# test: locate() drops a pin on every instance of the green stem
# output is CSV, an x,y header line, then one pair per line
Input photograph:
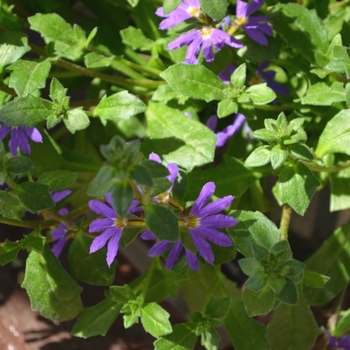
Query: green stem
x,y
326,168
285,220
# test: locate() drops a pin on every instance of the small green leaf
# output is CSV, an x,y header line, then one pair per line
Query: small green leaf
x,y
183,337
122,294
76,119
162,222
122,197
170,5
249,265
10,206
80,262
214,8
9,251
121,105
97,319
320,94
34,241
335,137
289,293
155,320
296,186
293,327
96,60
259,157
19,165
27,110
238,77
141,175
135,38
251,228
217,307
57,91
240,328
58,180
195,81
258,303
260,94
28,76
35,196
51,290
227,107
343,325
156,169
340,184
301,151
279,155
13,45
314,279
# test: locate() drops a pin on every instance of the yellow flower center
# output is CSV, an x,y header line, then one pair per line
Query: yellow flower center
x,y
190,221
206,32
237,23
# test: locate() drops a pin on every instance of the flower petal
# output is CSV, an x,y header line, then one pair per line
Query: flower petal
x,y
215,236
58,196
254,6
4,130
154,156
174,255
218,221
33,134
257,36
101,208
101,240
101,224
58,247
241,9
148,236
216,206
159,248
206,192
112,247
203,246
192,260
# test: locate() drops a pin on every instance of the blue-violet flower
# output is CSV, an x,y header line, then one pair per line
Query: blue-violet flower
x,y
207,37
341,344
202,222
20,136
186,10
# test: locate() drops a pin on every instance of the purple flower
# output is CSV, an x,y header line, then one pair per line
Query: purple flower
x,y
230,130
186,10
58,235
202,222
19,137
225,75
207,37
112,226
173,168
341,344
255,27
268,76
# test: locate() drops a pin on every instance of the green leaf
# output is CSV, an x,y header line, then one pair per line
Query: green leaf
x,y
210,339
80,262
68,41
217,307
258,303
141,175
19,165
13,45
156,169
259,157
27,110
96,60
195,81
214,8
260,94
347,94
155,320
289,293
331,260
301,151
122,197
279,155
9,251
10,206
343,325
249,265
34,241
301,29
236,181
314,279
170,5
227,107
296,186
335,137
51,290
320,94
76,119
251,228
244,332
57,91
162,222
122,294
135,38
121,105
238,77
293,327
28,76
97,319
340,184
180,140
35,196
183,337
58,180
